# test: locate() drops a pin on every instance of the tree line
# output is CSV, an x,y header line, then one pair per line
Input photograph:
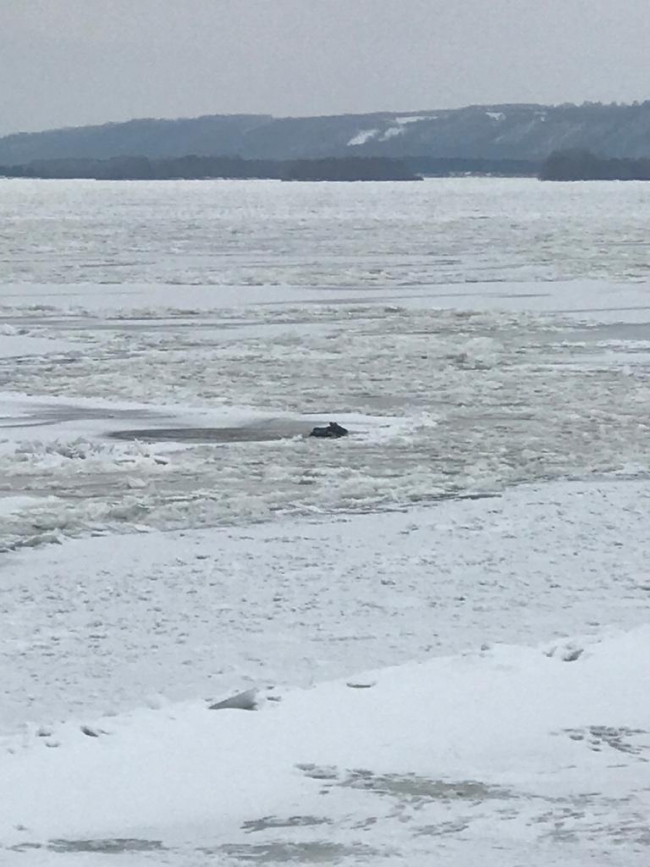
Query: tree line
x,y
202,168
233,167
583,165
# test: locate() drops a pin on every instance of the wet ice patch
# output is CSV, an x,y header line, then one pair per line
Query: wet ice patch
x,y
268,823
281,852
631,741
414,788
109,846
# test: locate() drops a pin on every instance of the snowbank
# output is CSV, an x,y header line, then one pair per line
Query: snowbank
x,y
484,754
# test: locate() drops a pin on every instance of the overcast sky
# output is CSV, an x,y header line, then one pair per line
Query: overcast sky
x,y
75,62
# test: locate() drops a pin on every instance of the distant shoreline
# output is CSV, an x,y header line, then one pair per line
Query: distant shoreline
x,y
510,140
211,168
583,165
338,169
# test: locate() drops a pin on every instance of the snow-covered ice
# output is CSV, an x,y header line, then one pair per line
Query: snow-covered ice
x,y
171,536
505,755
94,625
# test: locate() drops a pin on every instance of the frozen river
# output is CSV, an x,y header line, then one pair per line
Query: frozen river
x,y
471,333
165,348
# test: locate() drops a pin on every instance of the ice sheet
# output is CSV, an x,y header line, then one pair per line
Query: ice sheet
x,y
503,756
170,533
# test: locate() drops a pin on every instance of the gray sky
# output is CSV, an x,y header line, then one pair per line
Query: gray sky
x,y
75,62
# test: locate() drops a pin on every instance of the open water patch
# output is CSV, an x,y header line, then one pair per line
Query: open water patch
x,y
241,434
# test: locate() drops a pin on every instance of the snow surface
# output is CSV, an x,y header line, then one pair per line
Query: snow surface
x,y
363,136
366,135
269,235
415,118
499,756
170,536
392,132
96,625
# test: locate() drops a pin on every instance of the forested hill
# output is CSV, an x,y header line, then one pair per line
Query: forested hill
x,y
498,132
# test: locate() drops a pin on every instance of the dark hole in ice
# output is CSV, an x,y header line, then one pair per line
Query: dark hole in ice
x,y
252,433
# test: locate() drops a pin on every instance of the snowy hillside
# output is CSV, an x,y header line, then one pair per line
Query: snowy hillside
x,y
499,132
